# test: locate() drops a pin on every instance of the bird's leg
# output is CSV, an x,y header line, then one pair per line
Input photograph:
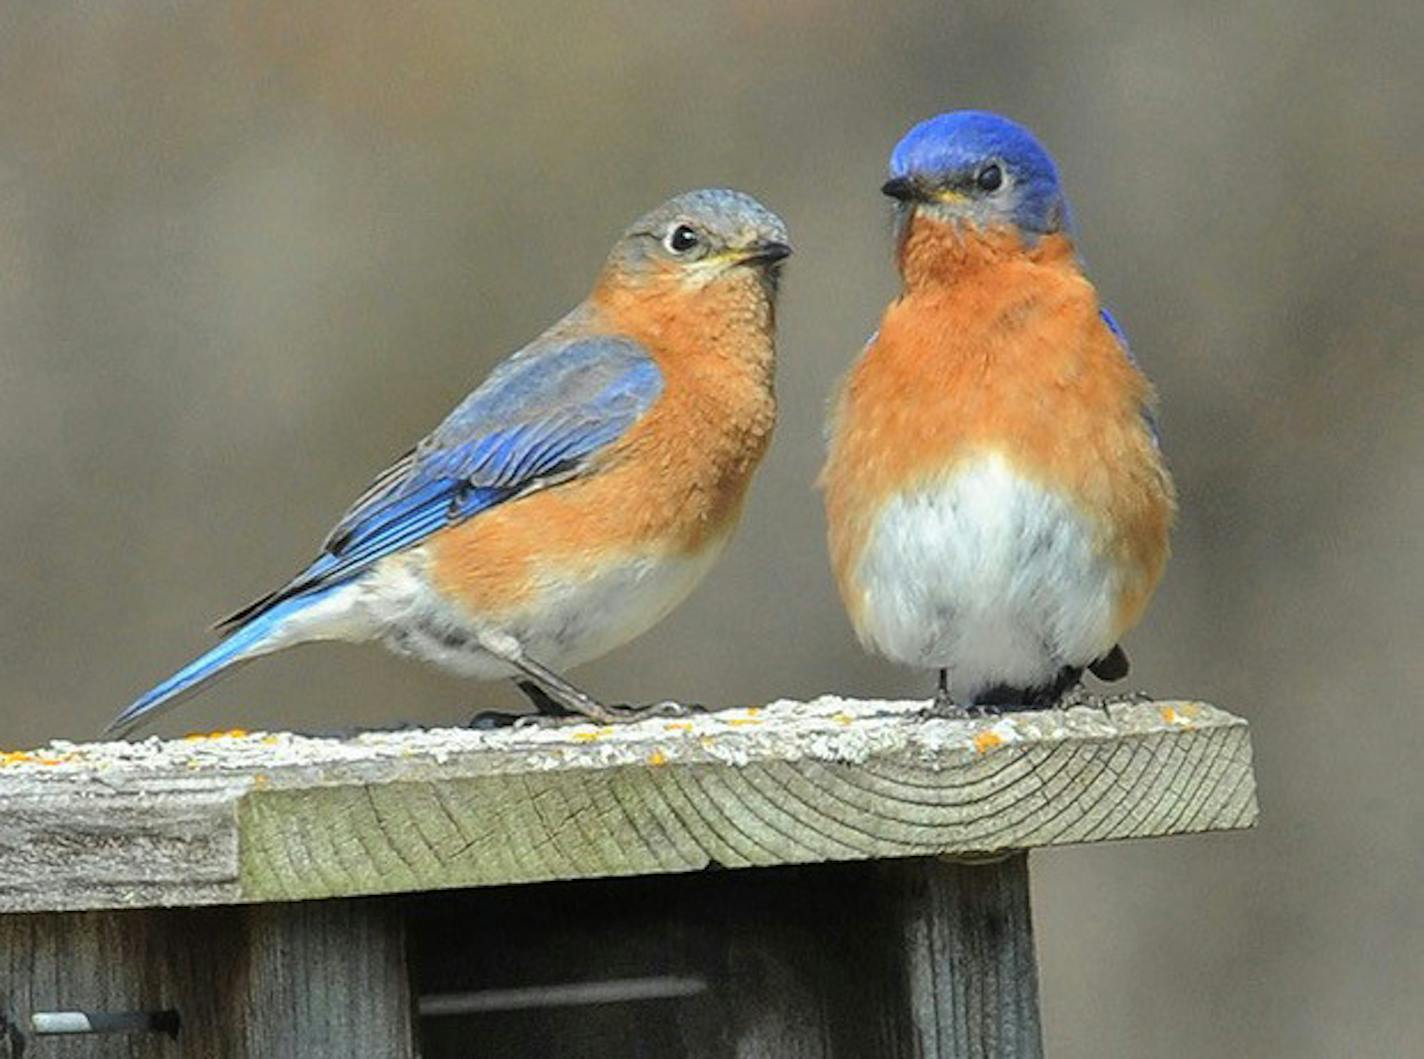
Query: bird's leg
x,y
944,706
548,709
543,705
555,688
666,708
554,698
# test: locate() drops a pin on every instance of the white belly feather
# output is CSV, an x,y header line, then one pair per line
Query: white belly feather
x,y
987,575
566,621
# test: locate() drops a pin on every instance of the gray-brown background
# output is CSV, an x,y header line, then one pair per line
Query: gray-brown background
x,y
248,252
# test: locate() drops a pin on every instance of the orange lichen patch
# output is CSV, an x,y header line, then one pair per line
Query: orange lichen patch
x,y
591,737
261,780
843,718
230,733
741,722
1185,716
987,740
675,482
26,757
1023,367
678,726
657,757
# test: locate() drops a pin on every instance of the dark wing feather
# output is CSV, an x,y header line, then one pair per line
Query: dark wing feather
x,y
1149,415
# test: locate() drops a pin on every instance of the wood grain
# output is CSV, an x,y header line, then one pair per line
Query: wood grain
x,y
277,817
919,958
320,980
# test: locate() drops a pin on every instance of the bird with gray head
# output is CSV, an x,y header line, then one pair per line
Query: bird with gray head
x,y
576,496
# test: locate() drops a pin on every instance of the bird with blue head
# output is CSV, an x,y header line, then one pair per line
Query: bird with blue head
x,y
997,504
978,168
576,496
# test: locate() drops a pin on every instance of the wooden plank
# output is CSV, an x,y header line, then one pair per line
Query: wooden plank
x,y
281,816
321,980
86,961
325,980
970,962
909,958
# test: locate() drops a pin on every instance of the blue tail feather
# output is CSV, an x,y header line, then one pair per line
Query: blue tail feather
x,y
241,645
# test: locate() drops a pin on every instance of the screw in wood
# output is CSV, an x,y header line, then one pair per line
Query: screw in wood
x,y
65,1023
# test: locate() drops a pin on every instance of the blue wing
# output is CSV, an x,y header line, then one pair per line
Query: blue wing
x,y
535,421
1148,415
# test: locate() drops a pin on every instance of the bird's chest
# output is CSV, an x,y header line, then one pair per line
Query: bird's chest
x,y
683,475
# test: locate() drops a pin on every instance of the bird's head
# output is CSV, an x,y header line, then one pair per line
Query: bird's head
x,y
699,239
976,168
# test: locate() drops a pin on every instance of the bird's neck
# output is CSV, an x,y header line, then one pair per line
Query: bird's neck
x,y
729,322
934,252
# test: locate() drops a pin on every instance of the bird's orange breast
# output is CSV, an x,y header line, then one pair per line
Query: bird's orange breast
x,y
673,485
998,348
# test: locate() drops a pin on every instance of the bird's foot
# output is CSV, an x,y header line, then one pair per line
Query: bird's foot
x,y
553,710
554,694
666,708
1080,695
493,720
945,707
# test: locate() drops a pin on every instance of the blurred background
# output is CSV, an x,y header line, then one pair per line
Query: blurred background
x,y
250,251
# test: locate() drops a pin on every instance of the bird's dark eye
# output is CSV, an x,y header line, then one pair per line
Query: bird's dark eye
x,y
681,239
990,178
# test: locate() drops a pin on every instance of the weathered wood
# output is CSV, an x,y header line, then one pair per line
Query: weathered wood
x,y
912,959
277,817
320,980
973,975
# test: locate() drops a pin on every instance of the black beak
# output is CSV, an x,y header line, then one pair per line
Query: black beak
x,y
902,189
768,253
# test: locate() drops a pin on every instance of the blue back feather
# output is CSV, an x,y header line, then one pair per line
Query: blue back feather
x,y
540,415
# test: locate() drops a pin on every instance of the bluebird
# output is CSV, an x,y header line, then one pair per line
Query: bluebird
x,y
576,496
997,504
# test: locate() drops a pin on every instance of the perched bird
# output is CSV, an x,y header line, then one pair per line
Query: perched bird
x,y
997,504
577,495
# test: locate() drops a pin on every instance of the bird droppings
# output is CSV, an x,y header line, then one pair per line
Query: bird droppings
x,y
828,729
